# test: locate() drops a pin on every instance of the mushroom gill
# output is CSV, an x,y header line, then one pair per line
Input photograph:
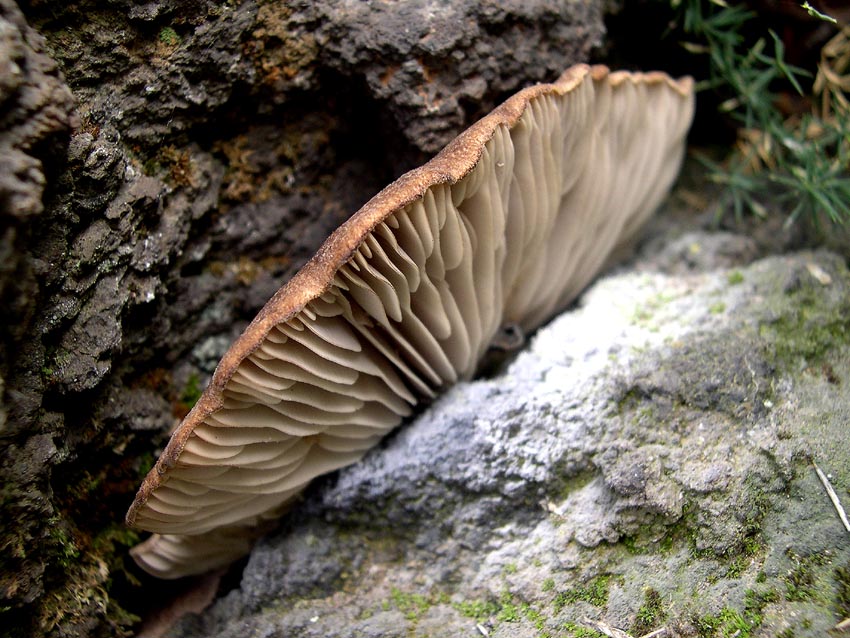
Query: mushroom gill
x,y
504,227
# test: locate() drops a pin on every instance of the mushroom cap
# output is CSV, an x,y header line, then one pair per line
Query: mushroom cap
x,y
505,226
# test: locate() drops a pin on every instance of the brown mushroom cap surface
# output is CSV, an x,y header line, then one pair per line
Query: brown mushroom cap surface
x,y
504,227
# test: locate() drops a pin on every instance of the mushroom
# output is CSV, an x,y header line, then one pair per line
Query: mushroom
x,y
503,228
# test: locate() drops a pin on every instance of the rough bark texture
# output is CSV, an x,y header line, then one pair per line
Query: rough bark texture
x,y
164,166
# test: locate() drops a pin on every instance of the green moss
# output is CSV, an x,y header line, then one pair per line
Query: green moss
x,y
728,623
753,545
114,538
595,593
548,584
666,543
507,609
810,331
733,623
737,566
645,313
842,596
797,337
151,167
651,613
168,36
510,611
755,601
577,631
411,605
644,542
748,549
801,580
740,624
569,485
510,568
694,550
536,618
735,277
631,545
191,392
641,315
146,460
478,610
717,308
86,583
67,551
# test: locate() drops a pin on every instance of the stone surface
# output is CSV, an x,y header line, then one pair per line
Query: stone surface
x,y
35,120
646,462
164,167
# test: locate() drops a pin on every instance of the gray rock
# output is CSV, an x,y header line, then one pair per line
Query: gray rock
x,y
645,462
453,55
35,119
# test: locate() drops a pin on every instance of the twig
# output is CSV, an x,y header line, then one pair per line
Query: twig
x,y
613,632
605,628
833,497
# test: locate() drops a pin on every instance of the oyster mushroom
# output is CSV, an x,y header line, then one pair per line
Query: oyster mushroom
x,y
504,227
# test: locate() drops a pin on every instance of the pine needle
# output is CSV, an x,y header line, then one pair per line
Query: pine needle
x,y
833,497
